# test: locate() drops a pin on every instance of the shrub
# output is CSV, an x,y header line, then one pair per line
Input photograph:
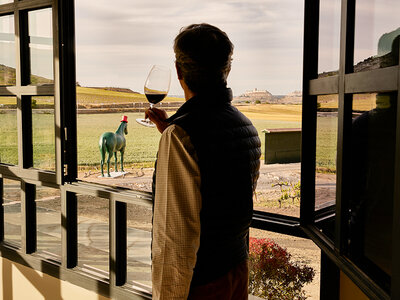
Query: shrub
x,y
272,275
292,191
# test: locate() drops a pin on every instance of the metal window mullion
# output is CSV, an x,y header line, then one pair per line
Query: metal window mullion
x,y
395,280
69,229
1,210
118,242
26,132
59,134
65,88
28,213
344,122
309,112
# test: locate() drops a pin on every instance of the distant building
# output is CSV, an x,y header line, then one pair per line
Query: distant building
x,y
258,95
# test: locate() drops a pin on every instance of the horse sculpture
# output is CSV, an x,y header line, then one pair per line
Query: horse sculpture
x,y
111,142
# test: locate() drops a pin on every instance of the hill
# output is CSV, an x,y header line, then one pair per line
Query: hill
x,y
7,77
87,96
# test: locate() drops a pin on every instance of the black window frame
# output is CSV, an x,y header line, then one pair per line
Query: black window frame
x,y
64,178
345,84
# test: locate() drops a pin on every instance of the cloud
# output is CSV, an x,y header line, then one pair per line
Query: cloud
x,y
124,38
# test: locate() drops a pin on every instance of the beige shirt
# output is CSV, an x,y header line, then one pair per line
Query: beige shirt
x,y
176,220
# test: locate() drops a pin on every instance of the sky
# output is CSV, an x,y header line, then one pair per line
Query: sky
x,y
118,41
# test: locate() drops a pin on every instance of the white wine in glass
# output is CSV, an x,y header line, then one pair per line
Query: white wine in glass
x,y
156,88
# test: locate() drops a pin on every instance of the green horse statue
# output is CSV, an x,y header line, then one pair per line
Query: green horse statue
x,y
111,143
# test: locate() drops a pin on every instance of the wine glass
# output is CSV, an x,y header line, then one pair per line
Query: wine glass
x,y
156,87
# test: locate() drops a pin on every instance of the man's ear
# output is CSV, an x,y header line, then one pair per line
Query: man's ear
x,y
178,71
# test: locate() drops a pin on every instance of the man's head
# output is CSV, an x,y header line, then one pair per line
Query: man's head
x,y
203,57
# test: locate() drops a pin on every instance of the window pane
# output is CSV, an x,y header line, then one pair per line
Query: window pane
x,y
266,80
329,38
12,211
6,1
41,46
325,172
139,221
43,133
93,235
7,50
48,208
8,131
372,182
140,152
377,32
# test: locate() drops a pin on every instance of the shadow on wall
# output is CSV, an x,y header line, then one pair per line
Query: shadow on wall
x,y
21,282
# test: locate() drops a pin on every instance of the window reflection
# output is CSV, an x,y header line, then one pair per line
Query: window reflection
x,y
325,163
12,211
41,46
8,131
371,203
43,133
326,150
93,233
7,50
377,34
329,38
48,209
139,224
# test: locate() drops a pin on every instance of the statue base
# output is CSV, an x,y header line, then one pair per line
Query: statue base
x,y
114,174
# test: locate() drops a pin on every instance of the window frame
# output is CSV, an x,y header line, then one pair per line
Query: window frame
x,y
345,84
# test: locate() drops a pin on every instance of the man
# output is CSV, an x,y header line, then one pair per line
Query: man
x,y
207,167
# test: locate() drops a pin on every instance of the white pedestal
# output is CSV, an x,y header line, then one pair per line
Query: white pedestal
x,y
113,174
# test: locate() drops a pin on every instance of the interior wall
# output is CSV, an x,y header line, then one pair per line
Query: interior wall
x,y
348,290
18,282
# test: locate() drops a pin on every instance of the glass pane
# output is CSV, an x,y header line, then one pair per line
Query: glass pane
x,y
372,182
282,253
140,152
329,38
7,50
12,211
326,150
139,222
377,34
266,80
8,131
93,235
6,1
278,187
48,208
43,134
41,46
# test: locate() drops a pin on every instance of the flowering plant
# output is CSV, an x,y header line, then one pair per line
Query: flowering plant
x,y
272,275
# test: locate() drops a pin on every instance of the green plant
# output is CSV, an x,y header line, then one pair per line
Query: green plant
x,y
272,274
291,191
294,192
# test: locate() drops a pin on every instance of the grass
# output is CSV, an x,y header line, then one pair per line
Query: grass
x,y
326,143
142,142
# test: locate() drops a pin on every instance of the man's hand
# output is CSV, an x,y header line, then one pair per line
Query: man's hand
x,y
158,117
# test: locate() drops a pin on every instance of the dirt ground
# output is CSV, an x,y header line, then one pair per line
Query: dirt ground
x,y
303,251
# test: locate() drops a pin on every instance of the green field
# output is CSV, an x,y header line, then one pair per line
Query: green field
x,y
142,142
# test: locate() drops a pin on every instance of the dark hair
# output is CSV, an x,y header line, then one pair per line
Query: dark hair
x,y
203,53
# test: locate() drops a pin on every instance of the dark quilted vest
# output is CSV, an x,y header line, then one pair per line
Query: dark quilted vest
x,y
228,151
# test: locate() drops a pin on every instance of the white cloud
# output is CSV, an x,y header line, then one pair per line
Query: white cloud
x,y
124,38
